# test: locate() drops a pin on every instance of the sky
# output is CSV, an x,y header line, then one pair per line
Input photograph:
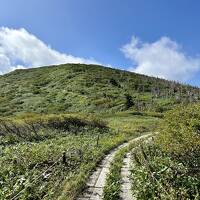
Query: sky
x,y
153,37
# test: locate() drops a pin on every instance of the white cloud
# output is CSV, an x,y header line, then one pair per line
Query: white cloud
x,y
163,58
20,49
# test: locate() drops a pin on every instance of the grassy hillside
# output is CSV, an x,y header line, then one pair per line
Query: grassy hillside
x,y
52,135
87,88
32,151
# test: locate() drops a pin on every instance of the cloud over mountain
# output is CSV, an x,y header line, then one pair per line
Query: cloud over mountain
x,y
163,58
21,49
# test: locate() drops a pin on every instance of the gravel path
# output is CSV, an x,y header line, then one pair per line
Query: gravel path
x,y
126,183
97,180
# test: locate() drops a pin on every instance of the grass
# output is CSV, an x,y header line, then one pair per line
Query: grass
x,y
169,167
72,188
26,160
156,175
112,187
36,128
73,88
131,122
133,130
22,163
113,184
131,104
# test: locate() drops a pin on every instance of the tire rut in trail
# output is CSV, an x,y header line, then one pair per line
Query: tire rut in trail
x,y
97,180
125,176
126,193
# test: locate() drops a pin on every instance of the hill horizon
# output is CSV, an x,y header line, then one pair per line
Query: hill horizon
x,y
88,88
103,66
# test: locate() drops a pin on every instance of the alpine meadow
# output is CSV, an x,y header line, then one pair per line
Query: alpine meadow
x,y
99,100
59,122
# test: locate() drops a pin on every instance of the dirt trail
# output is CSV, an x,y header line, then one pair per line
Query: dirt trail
x,y
97,180
126,183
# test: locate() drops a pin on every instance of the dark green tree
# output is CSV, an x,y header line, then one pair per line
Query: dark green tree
x,y
129,101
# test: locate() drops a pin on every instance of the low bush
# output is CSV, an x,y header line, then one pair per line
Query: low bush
x,y
180,132
156,175
169,168
33,127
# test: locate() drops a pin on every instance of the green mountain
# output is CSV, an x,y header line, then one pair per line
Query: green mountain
x,y
52,156
87,88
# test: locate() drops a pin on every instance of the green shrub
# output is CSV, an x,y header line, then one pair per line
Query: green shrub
x,y
169,168
129,101
180,131
32,127
156,175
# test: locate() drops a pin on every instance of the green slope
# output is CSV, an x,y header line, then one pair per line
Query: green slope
x,y
87,88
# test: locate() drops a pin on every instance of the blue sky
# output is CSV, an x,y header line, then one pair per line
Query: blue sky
x,y
154,37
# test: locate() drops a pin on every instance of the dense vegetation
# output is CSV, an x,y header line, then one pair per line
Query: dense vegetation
x,y
87,88
52,134
34,128
38,167
169,168
32,150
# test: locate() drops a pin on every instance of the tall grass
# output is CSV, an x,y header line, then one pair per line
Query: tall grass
x,y
169,168
37,128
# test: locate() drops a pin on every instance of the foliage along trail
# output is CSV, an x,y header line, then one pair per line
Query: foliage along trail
x,y
97,180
